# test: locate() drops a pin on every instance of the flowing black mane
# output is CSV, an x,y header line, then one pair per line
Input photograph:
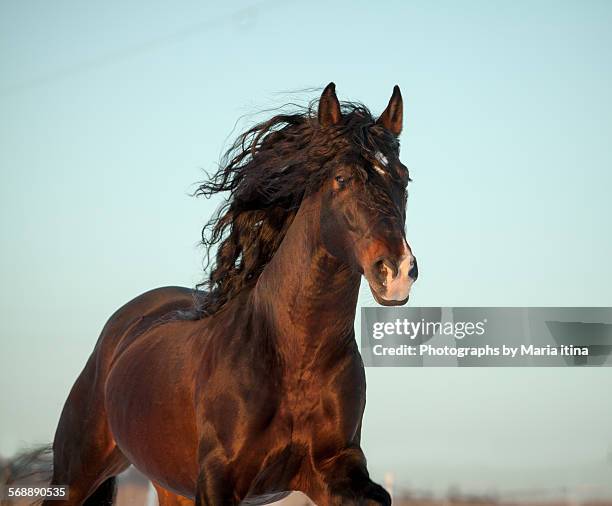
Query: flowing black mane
x,y
267,171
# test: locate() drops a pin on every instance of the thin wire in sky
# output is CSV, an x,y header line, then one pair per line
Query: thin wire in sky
x,y
242,16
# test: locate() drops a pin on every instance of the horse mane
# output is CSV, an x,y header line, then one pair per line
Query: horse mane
x,y
266,173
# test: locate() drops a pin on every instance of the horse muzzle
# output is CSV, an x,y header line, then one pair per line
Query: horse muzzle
x,y
391,278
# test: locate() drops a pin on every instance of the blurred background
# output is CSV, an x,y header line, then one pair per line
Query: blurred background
x,y
110,111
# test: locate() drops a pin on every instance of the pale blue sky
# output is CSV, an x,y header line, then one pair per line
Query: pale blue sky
x,y
109,111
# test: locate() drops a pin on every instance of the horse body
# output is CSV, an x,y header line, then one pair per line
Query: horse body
x,y
142,390
267,392
195,378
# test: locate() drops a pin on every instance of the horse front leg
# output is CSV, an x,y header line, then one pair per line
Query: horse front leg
x,y
215,487
348,480
167,498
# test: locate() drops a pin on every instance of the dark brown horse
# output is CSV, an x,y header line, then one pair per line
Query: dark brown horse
x,y
254,384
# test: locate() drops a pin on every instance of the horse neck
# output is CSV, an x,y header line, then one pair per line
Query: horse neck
x,y
309,296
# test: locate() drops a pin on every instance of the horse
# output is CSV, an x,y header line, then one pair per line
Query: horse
x,y
252,382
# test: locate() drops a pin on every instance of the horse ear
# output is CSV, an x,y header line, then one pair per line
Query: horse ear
x,y
329,107
392,117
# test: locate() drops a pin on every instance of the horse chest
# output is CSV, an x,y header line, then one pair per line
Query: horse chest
x,y
320,407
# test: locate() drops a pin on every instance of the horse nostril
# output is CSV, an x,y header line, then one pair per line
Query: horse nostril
x,y
386,270
414,269
392,266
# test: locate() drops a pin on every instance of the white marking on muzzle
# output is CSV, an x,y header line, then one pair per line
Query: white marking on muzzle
x,y
398,288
